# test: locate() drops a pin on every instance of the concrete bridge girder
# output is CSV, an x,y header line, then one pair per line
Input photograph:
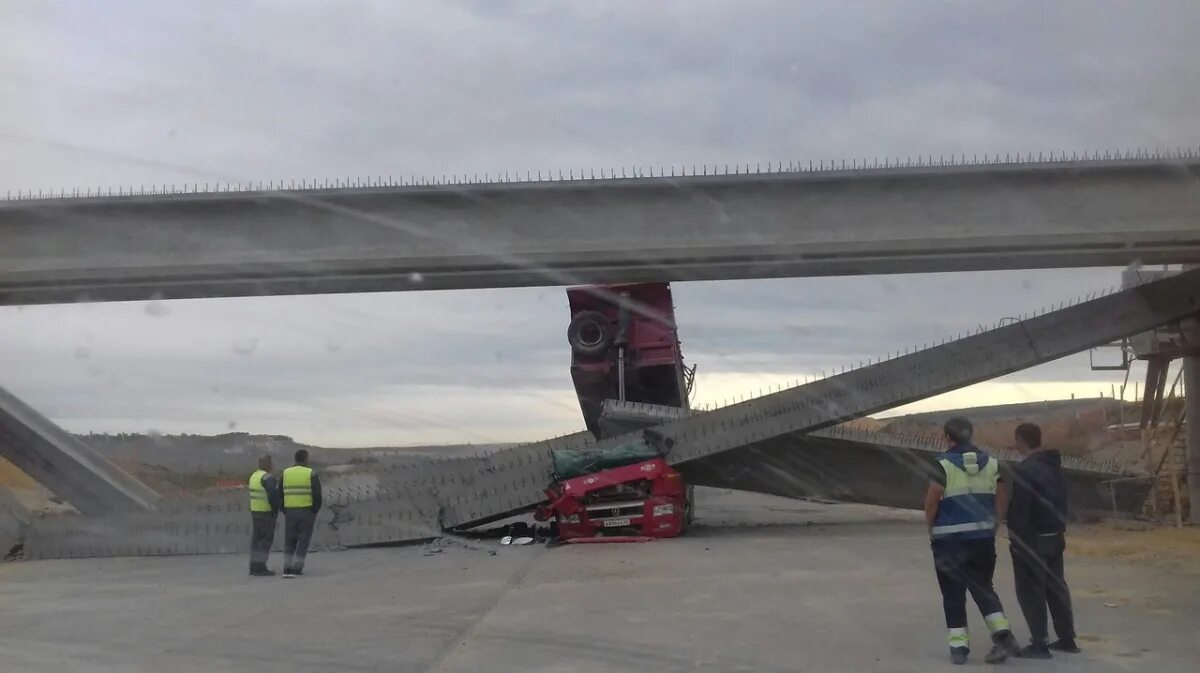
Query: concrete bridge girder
x,y
1090,213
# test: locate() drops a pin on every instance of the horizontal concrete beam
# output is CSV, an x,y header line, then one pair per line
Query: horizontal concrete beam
x,y
798,223
65,465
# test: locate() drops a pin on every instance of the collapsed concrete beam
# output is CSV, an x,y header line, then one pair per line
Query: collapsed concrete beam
x,y
64,464
875,468
14,521
817,466
517,481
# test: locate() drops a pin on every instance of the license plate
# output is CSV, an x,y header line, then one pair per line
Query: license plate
x,y
614,523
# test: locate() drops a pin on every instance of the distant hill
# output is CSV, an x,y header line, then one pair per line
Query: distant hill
x,y
1027,410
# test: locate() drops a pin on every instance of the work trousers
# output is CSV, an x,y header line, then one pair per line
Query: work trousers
x,y
297,532
1038,572
262,535
966,566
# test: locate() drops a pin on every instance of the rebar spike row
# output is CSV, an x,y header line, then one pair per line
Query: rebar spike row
x,y
571,175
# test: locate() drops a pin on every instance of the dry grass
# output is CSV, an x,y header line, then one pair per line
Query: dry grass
x,y
1175,548
14,478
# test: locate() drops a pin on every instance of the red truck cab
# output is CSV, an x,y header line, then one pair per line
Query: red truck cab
x,y
645,500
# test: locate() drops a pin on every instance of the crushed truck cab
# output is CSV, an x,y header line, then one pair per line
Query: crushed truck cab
x,y
647,499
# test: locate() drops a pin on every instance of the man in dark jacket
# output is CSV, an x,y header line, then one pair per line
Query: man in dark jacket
x,y
1037,515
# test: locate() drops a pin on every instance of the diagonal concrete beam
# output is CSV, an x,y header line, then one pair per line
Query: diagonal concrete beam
x,y
931,371
64,464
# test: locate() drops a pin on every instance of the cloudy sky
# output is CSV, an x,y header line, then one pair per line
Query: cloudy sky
x,y
166,93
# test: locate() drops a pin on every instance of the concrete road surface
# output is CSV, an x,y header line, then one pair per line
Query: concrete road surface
x,y
764,584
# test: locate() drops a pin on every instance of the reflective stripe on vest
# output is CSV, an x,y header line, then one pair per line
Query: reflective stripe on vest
x,y
297,487
259,502
968,506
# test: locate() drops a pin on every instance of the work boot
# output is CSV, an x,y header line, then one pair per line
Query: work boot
x,y
1005,645
1035,651
958,655
1065,645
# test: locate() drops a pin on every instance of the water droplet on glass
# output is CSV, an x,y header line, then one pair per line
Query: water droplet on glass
x,y
245,347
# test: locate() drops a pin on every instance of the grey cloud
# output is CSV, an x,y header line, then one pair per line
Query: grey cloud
x,y
164,93
321,90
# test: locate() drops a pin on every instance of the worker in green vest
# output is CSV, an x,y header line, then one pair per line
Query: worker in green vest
x,y
264,508
301,502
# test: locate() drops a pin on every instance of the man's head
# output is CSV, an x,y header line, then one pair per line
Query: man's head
x,y
302,456
958,430
264,462
1027,438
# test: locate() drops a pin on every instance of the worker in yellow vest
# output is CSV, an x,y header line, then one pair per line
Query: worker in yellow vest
x,y
264,508
301,502
960,509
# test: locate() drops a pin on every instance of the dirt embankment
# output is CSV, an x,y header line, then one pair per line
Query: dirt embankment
x,y
15,479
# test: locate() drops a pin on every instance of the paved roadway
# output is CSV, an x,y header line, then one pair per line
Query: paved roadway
x,y
765,584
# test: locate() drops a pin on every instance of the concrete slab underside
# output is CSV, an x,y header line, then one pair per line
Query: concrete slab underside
x,y
765,584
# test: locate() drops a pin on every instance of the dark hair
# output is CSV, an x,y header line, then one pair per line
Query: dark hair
x,y
959,430
1029,433
301,455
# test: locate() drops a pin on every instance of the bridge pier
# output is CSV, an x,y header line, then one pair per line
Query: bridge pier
x,y
1191,387
65,465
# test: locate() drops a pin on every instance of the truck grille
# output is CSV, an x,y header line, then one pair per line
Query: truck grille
x,y
629,509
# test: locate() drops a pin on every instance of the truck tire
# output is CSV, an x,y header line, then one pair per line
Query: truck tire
x,y
590,333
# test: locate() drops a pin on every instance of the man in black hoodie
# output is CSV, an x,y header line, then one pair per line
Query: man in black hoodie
x,y
1037,515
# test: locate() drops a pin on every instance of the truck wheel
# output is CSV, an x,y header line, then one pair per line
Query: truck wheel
x,y
590,333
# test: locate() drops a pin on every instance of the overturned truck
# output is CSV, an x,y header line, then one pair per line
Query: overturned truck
x,y
624,349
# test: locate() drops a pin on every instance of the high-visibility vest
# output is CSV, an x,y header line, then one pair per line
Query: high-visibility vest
x,y
259,501
297,487
968,507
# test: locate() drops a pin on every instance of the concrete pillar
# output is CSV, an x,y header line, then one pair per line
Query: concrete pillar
x,y
1191,382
